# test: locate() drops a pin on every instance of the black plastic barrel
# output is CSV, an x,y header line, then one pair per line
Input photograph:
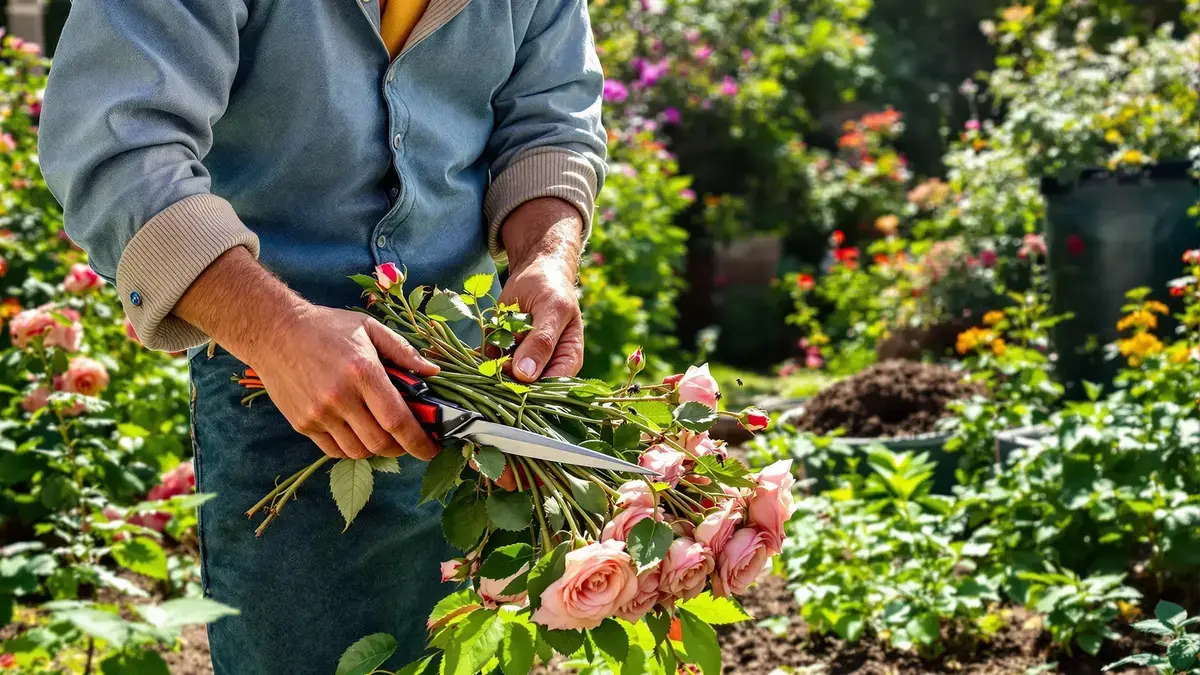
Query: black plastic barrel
x,y
1107,234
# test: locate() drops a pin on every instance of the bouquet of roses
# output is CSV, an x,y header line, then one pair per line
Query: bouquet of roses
x,y
563,558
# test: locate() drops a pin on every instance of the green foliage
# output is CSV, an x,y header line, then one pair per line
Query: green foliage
x,y
1169,625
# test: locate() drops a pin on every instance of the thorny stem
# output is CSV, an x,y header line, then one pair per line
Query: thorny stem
x,y
291,490
271,495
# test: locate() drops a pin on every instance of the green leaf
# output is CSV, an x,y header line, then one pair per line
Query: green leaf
x,y
447,306
384,464
491,462
510,511
182,612
588,495
501,339
1090,642
695,416
1154,627
366,655
655,411
730,472
627,437
1169,613
849,627
418,667
142,662
143,556
517,651
923,628
554,514
474,644
108,627
1092,390
368,283
1182,652
565,642
700,641
506,561
715,611
659,624
1136,660
648,542
517,388
465,518
545,572
611,639
453,603
417,296
479,285
441,474
493,367
132,430
351,482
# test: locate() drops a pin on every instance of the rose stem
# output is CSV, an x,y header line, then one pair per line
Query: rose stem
x,y
271,495
540,507
283,500
557,496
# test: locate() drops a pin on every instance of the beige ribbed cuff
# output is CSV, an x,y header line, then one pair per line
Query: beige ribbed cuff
x,y
540,172
165,257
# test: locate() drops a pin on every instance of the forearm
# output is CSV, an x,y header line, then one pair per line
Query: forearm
x,y
548,231
240,304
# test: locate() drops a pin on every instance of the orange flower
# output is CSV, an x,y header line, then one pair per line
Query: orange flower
x,y
888,224
9,308
993,317
1017,13
881,259
852,140
712,201
881,121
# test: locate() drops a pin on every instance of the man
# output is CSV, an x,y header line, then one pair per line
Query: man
x,y
186,137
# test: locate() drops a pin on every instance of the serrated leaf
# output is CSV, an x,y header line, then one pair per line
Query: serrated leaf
x,y
140,662
441,474
547,570
659,624
506,561
367,283
517,651
479,285
1135,660
351,483
1169,613
418,667
554,514
730,472
565,642
517,387
655,411
587,494
364,656
611,639
384,464
451,604
416,297
447,306
510,511
626,437
700,641
493,367
491,462
501,339
108,627
142,555
648,542
695,417
1154,627
715,611
1181,653
181,612
465,518
474,644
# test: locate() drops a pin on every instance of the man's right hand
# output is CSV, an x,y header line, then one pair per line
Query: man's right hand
x,y
322,367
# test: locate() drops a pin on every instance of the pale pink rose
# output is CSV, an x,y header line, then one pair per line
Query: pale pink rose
x,y
81,279
701,444
699,386
666,462
771,503
596,580
178,481
619,527
683,528
85,376
450,570
740,563
28,325
685,569
36,400
388,275
717,527
646,598
155,520
66,337
634,493
492,591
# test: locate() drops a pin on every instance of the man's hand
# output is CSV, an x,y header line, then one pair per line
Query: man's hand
x,y
321,366
542,238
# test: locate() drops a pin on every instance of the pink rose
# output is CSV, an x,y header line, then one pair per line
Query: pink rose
x,y
741,562
666,462
647,596
683,528
771,503
85,376
702,444
685,569
699,386
634,493
155,520
450,570
388,275
28,325
717,527
492,590
68,337
619,527
81,279
178,481
636,361
36,400
596,580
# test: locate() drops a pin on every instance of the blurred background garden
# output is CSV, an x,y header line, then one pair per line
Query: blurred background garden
x,y
951,245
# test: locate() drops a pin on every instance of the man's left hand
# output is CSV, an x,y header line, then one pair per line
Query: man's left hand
x,y
543,238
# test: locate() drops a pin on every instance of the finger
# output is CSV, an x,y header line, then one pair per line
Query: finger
x,y
371,434
392,415
348,441
538,346
396,349
568,355
327,445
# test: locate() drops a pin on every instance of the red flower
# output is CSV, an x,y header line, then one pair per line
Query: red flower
x,y
838,237
1178,291
1192,257
806,282
881,259
1075,245
8,661
847,256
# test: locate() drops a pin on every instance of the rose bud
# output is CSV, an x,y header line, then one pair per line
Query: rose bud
x,y
454,570
81,279
636,361
388,275
673,380
753,419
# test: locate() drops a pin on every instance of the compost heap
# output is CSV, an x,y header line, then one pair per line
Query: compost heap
x,y
892,398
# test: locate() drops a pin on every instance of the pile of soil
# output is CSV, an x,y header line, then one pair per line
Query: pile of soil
x,y
892,398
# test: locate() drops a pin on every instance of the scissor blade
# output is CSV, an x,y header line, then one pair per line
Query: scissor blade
x,y
528,444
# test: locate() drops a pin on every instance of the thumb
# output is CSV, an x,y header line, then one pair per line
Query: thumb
x,y
392,347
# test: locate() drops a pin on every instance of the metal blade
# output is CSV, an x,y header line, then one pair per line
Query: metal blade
x,y
528,444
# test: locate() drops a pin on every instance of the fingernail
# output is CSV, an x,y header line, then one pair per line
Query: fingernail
x,y
527,366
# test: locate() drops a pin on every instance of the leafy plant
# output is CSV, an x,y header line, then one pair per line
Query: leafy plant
x,y
1169,625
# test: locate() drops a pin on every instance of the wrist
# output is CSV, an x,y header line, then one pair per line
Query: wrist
x,y
544,231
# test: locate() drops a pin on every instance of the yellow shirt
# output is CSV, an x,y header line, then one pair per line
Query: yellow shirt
x,y
397,19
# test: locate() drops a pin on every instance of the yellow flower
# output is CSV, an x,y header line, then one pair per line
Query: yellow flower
x,y
1133,157
1138,319
1156,306
993,317
1138,347
1017,13
1178,354
1128,611
973,338
1113,136
998,347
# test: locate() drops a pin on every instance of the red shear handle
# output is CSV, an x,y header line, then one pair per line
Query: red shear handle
x,y
416,394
